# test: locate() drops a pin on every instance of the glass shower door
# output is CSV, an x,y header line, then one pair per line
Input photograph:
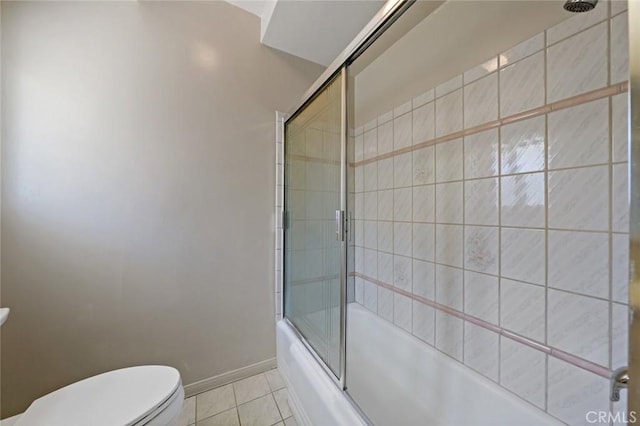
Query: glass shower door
x,y
314,234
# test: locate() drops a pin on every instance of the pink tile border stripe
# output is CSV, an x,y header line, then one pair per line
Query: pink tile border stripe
x,y
545,109
556,353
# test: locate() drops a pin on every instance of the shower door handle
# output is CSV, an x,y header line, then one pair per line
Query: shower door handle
x,y
339,225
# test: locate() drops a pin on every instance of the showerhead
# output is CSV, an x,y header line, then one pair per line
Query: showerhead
x,y
578,6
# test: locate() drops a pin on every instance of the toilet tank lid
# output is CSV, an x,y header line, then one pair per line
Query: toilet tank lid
x,y
119,397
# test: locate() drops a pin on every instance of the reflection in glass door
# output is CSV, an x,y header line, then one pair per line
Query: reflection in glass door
x,y
314,247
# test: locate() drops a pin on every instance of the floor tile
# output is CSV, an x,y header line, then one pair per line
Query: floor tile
x,y
282,400
251,388
214,401
275,379
259,412
226,418
188,413
291,421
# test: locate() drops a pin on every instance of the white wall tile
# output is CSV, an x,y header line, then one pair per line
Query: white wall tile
x,y
402,238
578,325
424,279
522,50
402,315
576,65
402,204
384,118
358,179
385,267
481,101
424,166
620,126
481,154
620,209
424,241
579,199
385,137
579,136
359,148
522,85
481,202
522,253
402,170
371,176
424,123
620,48
522,308
523,146
523,371
371,296
370,234
402,132
523,201
449,113
385,303
402,269
385,173
385,205
370,143
618,6
370,263
449,86
424,320
481,249
575,24
481,70
572,392
402,109
449,161
449,202
424,203
449,245
579,262
449,289
620,319
385,236
422,99
449,334
481,350
359,290
620,273
481,296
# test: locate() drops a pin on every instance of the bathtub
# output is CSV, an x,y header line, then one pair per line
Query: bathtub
x,y
418,384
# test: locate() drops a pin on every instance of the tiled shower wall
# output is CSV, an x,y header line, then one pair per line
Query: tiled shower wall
x,y
492,216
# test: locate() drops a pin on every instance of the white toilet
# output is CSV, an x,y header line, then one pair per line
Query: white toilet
x,y
150,395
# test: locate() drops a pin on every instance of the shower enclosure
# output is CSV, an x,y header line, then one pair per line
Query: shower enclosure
x,y
457,229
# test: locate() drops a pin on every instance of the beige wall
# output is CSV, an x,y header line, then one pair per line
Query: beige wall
x,y
137,189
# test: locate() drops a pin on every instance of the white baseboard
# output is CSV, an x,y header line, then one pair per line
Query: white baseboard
x,y
229,377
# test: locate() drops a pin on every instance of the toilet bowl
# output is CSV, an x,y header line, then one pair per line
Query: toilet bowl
x,y
149,395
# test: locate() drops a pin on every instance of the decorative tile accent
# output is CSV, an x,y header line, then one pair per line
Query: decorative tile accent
x,y
449,161
449,113
523,146
620,48
481,350
424,166
522,308
579,136
523,371
522,50
579,325
572,392
481,101
575,65
449,202
579,199
579,262
481,154
424,123
481,249
481,202
449,332
424,279
481,296
522,85
522,198
449,286
523,255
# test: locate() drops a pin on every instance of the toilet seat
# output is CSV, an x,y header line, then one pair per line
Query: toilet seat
x,y
146,395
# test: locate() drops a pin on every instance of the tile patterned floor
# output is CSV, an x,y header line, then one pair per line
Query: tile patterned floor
x,y
260,400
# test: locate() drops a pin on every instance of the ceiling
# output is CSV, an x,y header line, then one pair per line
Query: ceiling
x,y
316,30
